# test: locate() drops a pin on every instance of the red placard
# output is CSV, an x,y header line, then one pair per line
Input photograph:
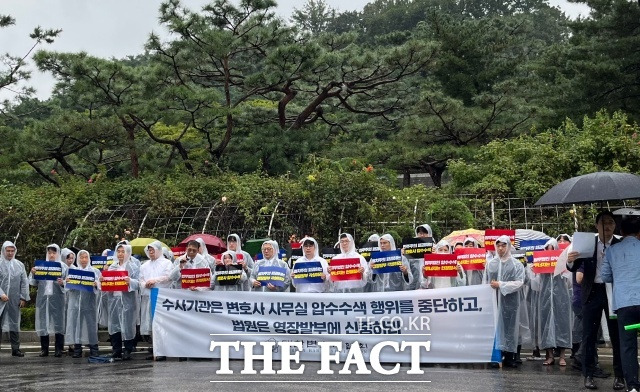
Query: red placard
x,y
345,269
491,235
114,281
195,277
179,251
440,265
544,261
471,259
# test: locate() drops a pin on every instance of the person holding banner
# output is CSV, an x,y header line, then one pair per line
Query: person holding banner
x,y
123,305
205,254
192,259
595,301
229,275
434,282
554,319
270,269
82,310
348,251
475,276
621,266
244,258
506,274
14,294
50,303
153,273
392,281
311,259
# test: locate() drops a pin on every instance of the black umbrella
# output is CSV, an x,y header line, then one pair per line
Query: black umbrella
x,y
594,187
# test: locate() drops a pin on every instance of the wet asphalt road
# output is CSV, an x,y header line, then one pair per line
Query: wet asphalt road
x,y
32,373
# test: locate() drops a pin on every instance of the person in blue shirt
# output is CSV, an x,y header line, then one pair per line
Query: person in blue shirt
x,y
621,267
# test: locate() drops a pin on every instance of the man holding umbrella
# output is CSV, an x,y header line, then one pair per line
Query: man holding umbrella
x,y
595,301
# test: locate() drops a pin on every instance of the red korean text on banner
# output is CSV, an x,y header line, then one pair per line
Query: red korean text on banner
x,y
544,261
114,281
195,277
345,269
471,259
179,251
440,265
491,235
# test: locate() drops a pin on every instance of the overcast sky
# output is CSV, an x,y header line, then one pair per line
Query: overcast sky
x,y
117,28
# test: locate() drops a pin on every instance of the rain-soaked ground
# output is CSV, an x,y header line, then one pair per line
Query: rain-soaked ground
x,y
33,373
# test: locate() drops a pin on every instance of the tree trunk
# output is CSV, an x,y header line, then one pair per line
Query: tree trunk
x,y
131,142
406,179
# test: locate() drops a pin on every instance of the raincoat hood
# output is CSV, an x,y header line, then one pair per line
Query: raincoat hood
x,y
504,239
79,266
352,244
389,238
157,245
127,253
5,245
203,248
231,253
439,247
276,250
427,228
64,253
237,239
553,243
58,254
316,251
373,238
475,242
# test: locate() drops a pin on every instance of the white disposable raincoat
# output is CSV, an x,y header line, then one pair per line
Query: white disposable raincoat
x,y
235,287
352,286
272,262
184,262
246,258
313,287
394,281
123,305
473,277
156,271
434,282
82,310
50,301
510,273
13,284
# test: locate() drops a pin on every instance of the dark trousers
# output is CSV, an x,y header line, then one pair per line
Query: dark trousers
x,y
116,344
59,342
629,344
14,337
591,316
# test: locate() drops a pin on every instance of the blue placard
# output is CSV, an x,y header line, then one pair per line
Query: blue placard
x,y
47,270
99,262
530,246
78,279
386,262
274,275
307,272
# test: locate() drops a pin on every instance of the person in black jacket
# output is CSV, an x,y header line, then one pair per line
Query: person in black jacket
x,y
595,301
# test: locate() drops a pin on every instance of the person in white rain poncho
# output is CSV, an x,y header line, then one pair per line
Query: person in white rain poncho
x,y
205,254
82,310
393,281
506,275
417,263
227,263
270,258
14,294
50,305
554,317
474,277
246,261
190,260
348,251
434,282
154,273
373,238
310,253
123,305
69,258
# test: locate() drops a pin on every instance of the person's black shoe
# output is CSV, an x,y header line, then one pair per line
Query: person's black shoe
x,y
17,353
58,354
589,383
149,358
182,359
43,353
618,383
126,356
599,373
161,358
117,355
577,365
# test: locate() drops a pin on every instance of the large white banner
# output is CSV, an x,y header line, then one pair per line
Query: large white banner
x,y
456,324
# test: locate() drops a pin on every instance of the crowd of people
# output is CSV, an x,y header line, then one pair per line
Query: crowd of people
x,y
552,313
